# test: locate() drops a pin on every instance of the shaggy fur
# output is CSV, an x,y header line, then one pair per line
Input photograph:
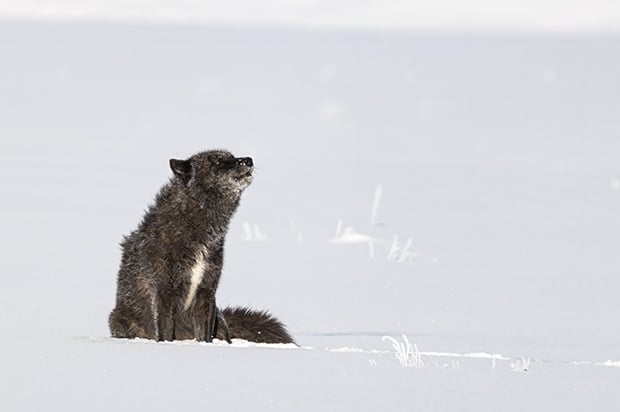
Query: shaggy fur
x,y
255,326
241,323
171,264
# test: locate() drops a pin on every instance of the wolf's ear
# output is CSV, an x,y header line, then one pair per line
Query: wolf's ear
x,y
181,169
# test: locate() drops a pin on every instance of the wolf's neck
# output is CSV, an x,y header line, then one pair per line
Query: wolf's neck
x,y
211,214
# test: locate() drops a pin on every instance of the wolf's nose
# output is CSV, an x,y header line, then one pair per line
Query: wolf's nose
x,y
245,161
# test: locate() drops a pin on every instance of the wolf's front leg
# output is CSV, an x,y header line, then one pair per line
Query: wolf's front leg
x,y
204,315
211,324
165,321
221,330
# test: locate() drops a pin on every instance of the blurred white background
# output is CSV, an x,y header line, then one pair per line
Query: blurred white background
x,y
579,16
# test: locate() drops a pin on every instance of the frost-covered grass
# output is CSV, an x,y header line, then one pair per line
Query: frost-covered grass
x,y
406,354
520,365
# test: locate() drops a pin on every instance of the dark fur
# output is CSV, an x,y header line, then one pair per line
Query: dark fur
x,y
241,323
188,222
255,326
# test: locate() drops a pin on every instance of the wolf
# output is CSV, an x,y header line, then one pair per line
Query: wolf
x,y
171,264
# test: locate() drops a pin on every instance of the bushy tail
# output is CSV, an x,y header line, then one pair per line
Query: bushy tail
x,y
253,325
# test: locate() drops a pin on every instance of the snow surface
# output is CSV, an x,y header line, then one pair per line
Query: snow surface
x,y
494,237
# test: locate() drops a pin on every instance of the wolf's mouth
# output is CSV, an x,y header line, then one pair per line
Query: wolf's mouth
x,y
246,175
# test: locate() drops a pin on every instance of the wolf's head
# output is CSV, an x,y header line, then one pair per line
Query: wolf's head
x,y
214,170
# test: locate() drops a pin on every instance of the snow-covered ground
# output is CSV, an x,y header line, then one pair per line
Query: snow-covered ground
x,y
461,190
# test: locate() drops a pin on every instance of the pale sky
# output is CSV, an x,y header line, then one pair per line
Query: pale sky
x,y
564,16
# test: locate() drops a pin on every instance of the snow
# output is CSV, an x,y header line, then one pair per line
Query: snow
x,y
492,244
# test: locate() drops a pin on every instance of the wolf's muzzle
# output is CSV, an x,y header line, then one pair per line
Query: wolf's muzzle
x,y
245,161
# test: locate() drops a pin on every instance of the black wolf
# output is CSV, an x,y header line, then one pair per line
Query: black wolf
x,y
172,263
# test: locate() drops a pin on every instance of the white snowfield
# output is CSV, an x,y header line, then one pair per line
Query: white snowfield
x,y
436,217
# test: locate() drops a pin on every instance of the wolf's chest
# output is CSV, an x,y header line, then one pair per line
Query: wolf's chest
x,y
196,274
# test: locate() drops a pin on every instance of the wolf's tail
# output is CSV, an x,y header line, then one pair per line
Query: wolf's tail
x,y
252,325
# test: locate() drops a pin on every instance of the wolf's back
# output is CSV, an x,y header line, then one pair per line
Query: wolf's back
x,y
254,325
